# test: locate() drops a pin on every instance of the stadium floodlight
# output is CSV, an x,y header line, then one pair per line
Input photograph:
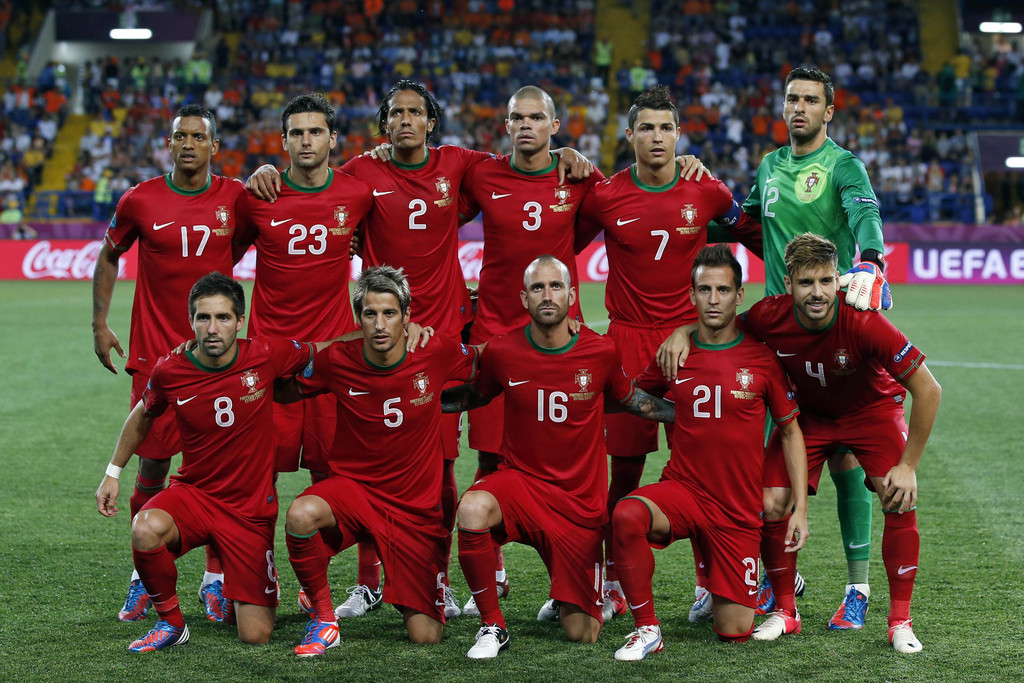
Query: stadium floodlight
x,y
130,34
1000,27
1014,162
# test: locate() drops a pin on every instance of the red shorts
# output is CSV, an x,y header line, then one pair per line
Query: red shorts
x,y
487,425
305,428
730,552
163,441
412,551
876,438
571,553
629,436
245,547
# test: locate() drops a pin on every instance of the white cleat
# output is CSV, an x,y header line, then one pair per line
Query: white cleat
x,y
902,637
779,623
471,610
701,608
451,605
549,611
361,600
640,643
490,640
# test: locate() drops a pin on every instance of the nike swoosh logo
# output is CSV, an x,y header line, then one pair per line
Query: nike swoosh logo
x,y
903,570
780,354
680,381
495,195
472,592
632,606
769,181
439,603
357,393
161,226
181,403
378,193
854,546
622,222
516,384
752,591
268,591
274,223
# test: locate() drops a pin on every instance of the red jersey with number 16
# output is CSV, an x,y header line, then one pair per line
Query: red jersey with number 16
x,y
224,417
302,263
182,236
721,397
554,415
414,225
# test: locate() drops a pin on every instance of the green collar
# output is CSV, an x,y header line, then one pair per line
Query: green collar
x,y
412,167
286,177
384,367
207,368
653,188
717,347
560,349
188,193
547,169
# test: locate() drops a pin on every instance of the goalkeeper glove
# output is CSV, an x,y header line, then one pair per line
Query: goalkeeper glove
x,y
866,287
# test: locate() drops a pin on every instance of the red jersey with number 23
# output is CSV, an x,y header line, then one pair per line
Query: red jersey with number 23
x,y
182,236
224,417
554,415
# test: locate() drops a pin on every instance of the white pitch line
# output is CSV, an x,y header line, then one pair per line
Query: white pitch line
x,y
983,366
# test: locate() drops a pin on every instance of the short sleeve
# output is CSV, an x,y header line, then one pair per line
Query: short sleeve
x,y
123,229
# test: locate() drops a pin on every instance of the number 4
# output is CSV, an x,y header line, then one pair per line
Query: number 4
x,y
819,375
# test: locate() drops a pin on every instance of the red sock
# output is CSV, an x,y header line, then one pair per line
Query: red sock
x,y
632,523
735,637
700,572
625,478
369,565
449,504
476,557
212,561
143,491
160,577
309,562
901,548
779,566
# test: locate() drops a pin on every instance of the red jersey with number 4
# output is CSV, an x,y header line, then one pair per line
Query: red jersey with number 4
x,y
388,435
554,415
302,264
722,395
525,214
849,367
652,235
182,236
224,417
414,225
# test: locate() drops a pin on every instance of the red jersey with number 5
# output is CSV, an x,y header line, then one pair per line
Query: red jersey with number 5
x,y
224,417
182,236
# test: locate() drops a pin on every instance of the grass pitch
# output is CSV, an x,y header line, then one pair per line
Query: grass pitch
x,y
64,568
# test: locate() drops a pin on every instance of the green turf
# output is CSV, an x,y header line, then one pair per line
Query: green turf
x,y
63,568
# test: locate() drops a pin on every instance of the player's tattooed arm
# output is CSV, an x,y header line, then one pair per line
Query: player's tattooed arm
x,y
643,404
103,279
462,397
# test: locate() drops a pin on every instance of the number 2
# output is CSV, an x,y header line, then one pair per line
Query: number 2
x,y
418,208
770,197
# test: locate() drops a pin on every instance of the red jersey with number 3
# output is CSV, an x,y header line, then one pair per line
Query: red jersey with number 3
x,y
554,414
182,236
652,235
224,417
388,435
849,367
414,225
525,214
722,395
302,264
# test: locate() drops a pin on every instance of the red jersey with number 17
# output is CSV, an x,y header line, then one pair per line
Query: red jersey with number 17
x,y
388,431
414,225
554,415
302,263
525,214
721,397
652,235
183,235
224,417
847,368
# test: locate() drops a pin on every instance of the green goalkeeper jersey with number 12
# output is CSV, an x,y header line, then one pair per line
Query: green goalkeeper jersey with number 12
x,y
826,192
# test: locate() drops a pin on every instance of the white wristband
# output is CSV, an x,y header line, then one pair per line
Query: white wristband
x,y
114,471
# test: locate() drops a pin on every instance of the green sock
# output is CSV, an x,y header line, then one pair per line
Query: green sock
x,y
853,503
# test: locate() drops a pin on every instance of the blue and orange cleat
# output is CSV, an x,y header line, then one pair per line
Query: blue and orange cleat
x,y
162,636
765,597
137,604
851,613
320,636
218,608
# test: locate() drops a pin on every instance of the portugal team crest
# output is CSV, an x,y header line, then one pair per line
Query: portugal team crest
x,y
223,214
584,379
443,186
811,183
689,213
250,380
842,358
745,377
340,215
421,382
562,194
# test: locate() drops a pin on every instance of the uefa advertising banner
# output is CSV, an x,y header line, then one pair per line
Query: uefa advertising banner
x,y
915,262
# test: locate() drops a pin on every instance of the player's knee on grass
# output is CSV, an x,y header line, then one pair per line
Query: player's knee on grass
x,y
255,622
154,469
776,502
422,628
305,515
732,619
477,509
151,529
579,626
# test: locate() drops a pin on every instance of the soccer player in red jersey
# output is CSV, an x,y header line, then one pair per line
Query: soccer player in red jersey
x,y
654,225
223,494
852,370
184,222
385,467
710,490
550,487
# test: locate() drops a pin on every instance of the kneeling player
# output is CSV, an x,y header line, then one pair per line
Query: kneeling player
x,y
549,489
710,490
224,492
385,466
